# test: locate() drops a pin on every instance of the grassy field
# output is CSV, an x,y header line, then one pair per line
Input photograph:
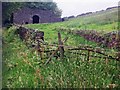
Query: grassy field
x,y
73,71
105,20
51,35
22,66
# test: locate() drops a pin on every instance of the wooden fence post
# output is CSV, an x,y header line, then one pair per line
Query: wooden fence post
x,y
39,49
88,57
61,48
106,60
49,59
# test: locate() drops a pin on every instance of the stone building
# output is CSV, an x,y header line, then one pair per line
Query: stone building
x,y
28,15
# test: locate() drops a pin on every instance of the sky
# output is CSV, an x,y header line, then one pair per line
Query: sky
x,y
76,7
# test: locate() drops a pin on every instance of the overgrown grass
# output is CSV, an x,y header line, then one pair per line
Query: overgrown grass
x,y
51,35
22,66
105,21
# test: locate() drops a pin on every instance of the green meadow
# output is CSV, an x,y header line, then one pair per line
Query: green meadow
x,y
23,67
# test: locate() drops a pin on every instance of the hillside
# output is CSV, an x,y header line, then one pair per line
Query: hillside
x,y
86,63
106,20
24,68
104,23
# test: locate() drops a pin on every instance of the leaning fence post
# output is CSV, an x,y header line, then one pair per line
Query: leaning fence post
x,y
88,57
61,48
106,60
39,49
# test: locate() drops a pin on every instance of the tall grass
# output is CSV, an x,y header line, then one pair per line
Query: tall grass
x,y
22,67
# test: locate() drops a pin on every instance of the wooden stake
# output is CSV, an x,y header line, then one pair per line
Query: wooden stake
x,y
49,59
106,60
39,48
88,57
61,48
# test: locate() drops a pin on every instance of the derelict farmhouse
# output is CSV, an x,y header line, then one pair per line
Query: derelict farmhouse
x,y
28,15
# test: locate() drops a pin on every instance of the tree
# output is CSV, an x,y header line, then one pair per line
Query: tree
x,y
7,9
45,6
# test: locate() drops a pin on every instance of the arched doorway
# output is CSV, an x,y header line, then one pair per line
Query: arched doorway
x,y
35,19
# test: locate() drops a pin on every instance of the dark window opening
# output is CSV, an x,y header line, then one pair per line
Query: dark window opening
x,y
26,22
35,19
63,19
11,18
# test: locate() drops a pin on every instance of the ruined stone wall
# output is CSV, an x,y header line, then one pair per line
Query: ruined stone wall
x,y
25,15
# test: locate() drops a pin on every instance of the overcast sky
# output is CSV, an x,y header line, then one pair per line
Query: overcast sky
x,y
75,7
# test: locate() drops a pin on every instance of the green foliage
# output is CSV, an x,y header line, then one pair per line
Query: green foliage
x,y
8,8
41,5
23,68
105,21
73,72
45,6
51,35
